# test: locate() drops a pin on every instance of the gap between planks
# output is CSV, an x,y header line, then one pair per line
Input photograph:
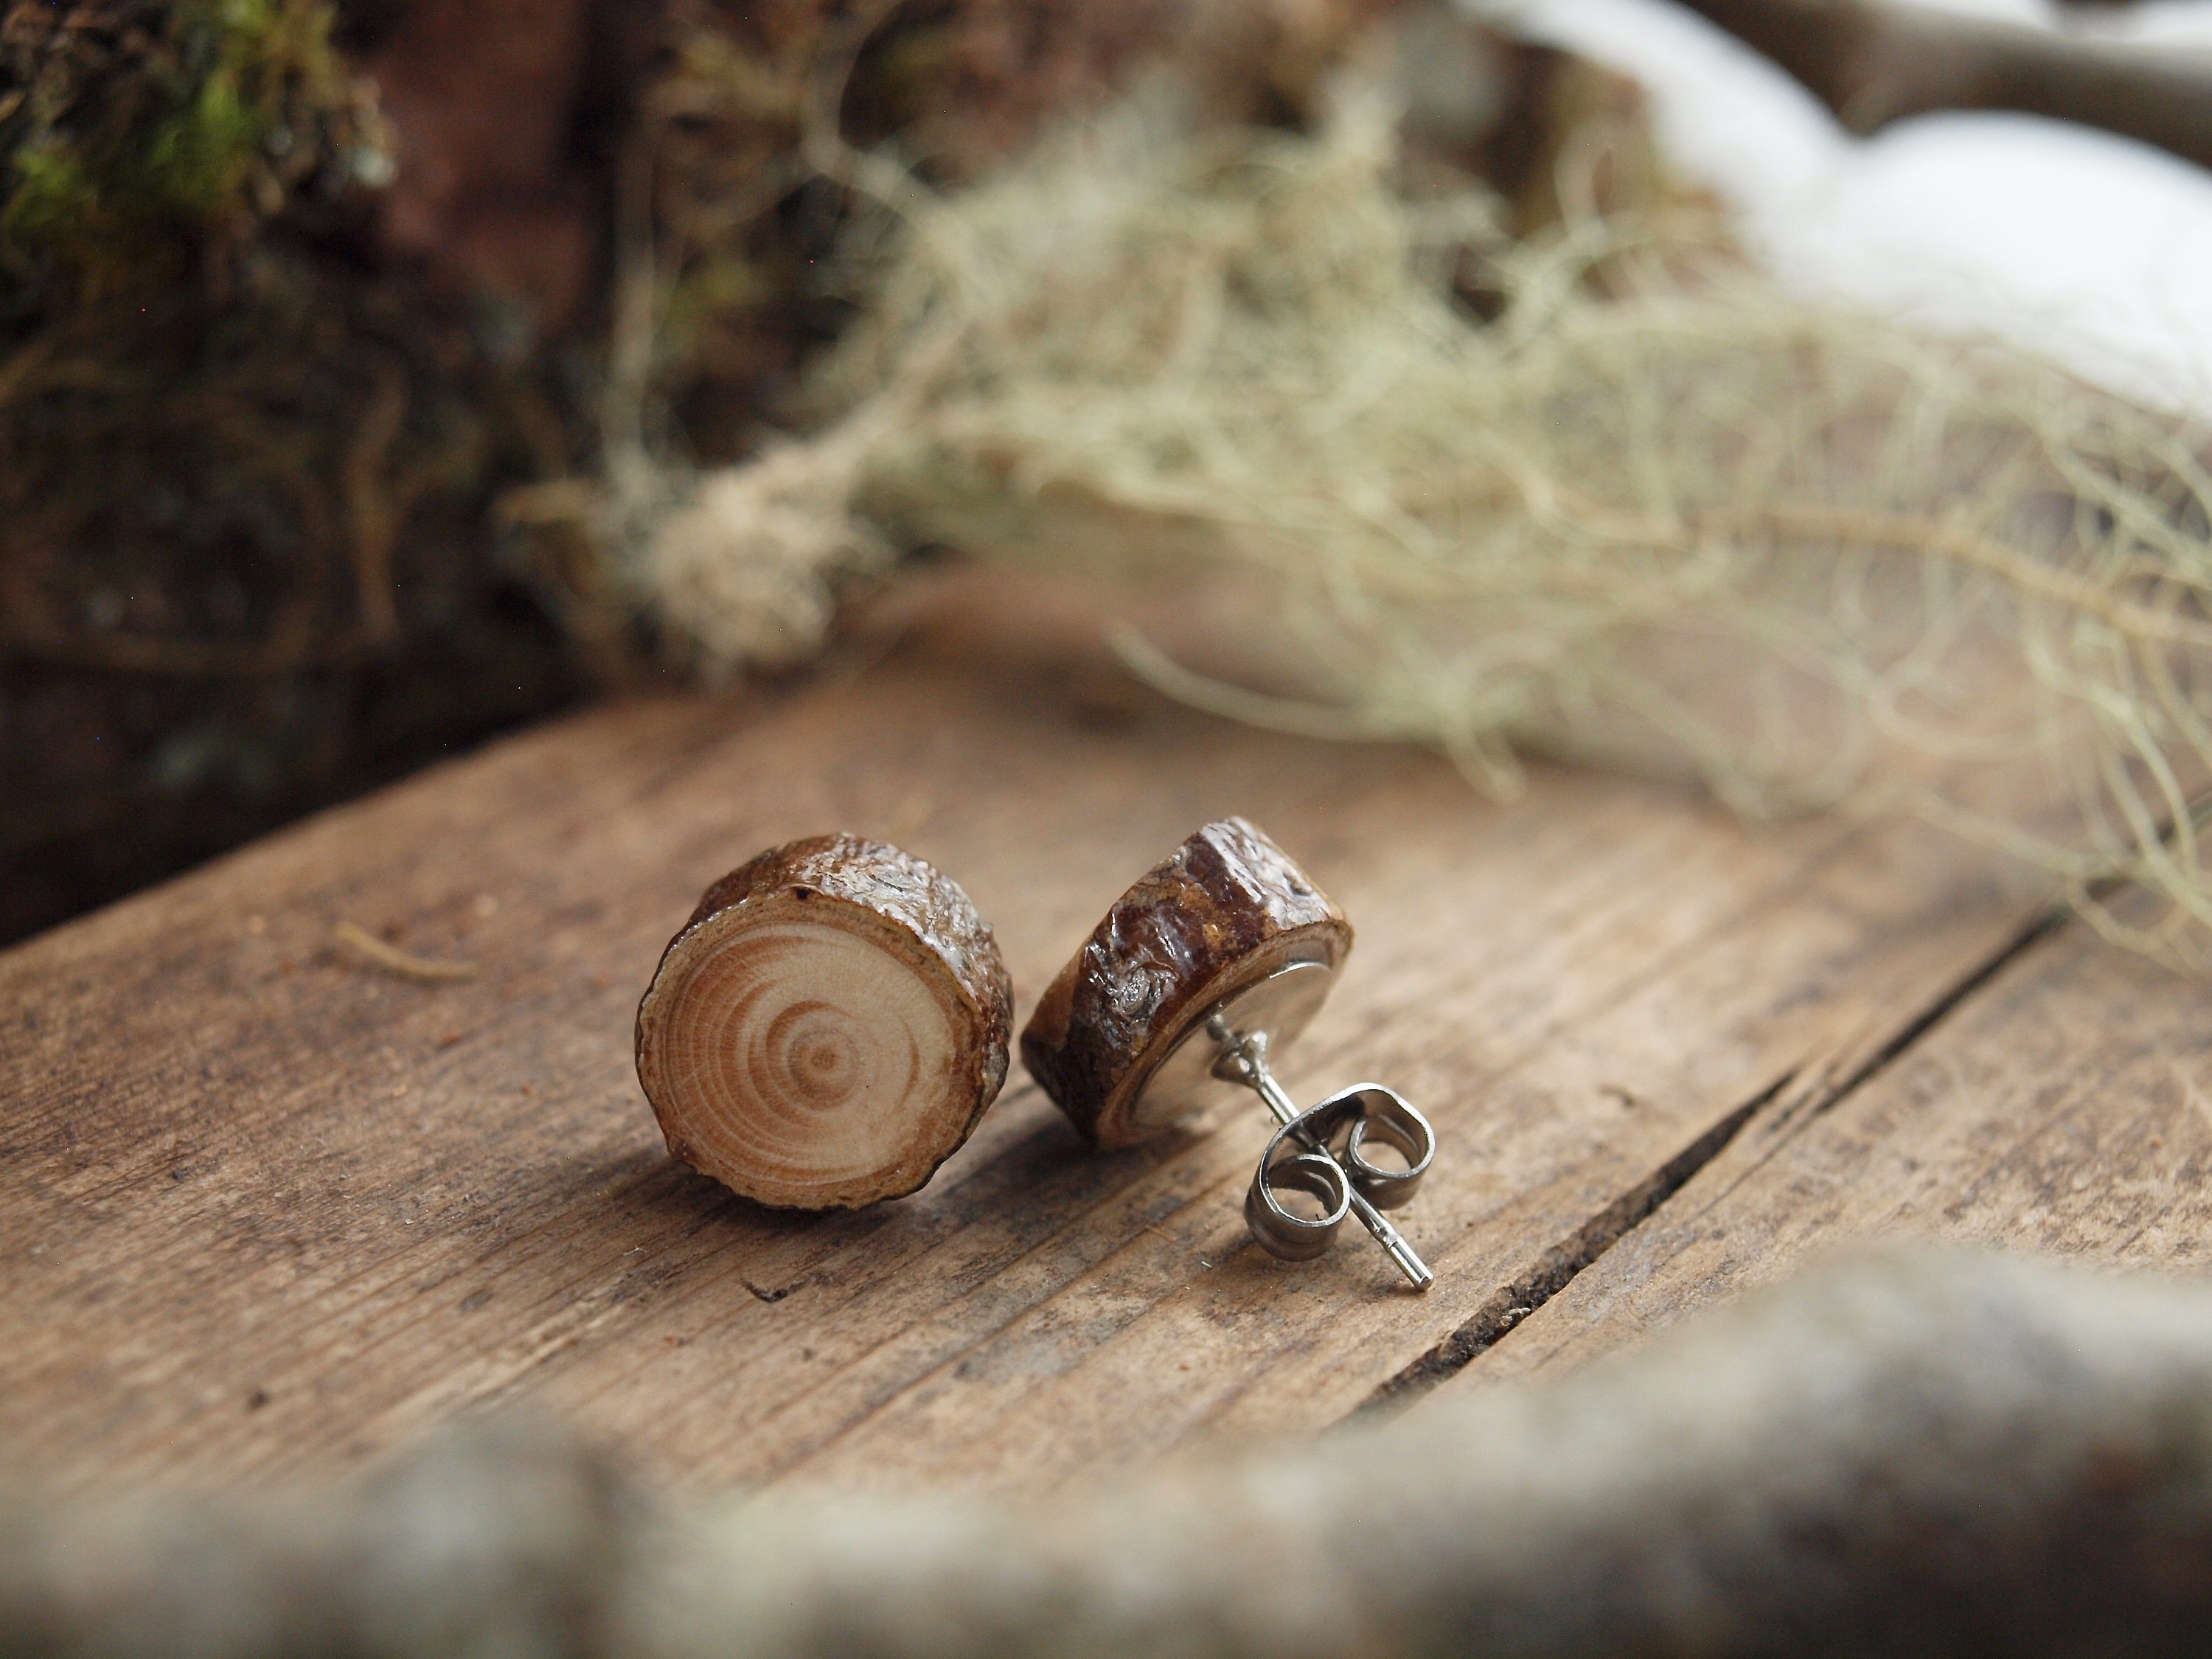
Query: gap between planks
x,y
1558,1267
2064,1107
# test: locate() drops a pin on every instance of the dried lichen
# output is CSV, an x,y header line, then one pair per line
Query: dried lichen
x,y
742,225
1651,513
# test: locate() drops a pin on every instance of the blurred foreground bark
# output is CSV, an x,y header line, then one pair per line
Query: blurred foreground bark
x,y
1911,1454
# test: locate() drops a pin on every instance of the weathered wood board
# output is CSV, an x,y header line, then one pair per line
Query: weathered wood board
x,y
2066,1108
263,1206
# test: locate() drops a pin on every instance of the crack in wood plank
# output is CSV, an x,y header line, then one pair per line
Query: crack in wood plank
x,y
1803,1110
2054,1101
1556,1268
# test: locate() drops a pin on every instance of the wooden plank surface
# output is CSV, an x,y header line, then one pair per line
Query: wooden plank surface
x,y
262,1207
2065,1107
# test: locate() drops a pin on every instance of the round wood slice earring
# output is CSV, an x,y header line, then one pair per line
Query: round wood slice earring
x,y
1223,912
1216,959
828,1027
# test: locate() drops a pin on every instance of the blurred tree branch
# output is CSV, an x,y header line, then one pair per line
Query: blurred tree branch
x,y
1912,1452
1873,62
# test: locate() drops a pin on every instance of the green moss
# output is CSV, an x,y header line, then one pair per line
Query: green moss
x,y
195,161
54,197
195,119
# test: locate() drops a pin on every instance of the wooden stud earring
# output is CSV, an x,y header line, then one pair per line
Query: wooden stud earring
x,y
1213,963
828,1027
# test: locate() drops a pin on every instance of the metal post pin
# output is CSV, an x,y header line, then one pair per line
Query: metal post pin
x,y
1243,1059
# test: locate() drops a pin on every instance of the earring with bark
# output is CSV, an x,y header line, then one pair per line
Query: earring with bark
x,y
1200,974
828,1027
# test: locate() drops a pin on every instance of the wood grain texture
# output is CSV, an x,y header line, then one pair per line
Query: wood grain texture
x,y
2064,1107
262,1206
828,1027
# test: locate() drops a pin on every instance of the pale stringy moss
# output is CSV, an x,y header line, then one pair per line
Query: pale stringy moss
x,y
1653,512
747,565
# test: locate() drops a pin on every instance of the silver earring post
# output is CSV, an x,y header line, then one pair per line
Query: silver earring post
x,y
1320,1151
1245,1060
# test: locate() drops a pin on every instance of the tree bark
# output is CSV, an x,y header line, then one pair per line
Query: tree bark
x,y
1917,1454
1224,910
